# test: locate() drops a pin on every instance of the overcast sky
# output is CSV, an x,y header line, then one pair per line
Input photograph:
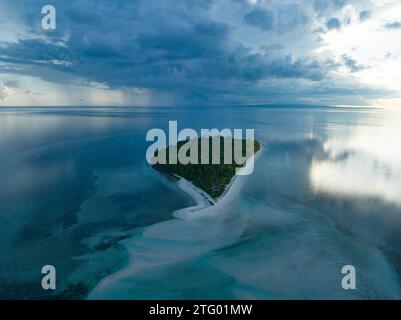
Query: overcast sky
x,y
217,52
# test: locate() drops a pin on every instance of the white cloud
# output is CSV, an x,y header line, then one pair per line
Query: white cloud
x,y
4,91
226,59
370,45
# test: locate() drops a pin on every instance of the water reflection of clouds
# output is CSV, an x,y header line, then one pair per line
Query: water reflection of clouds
x,y
363,162
27,128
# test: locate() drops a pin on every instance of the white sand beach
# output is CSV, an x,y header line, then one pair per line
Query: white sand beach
x,y
203,201
196,230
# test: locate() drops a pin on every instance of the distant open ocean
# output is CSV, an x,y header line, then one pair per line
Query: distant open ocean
x,y
76,192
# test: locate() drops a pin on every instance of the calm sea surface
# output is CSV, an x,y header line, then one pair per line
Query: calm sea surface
x,y
76,192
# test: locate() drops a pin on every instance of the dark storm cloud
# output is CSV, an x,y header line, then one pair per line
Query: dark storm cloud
x,y
352,64
333,23
242,64
33,52
291,17
284,18
260,18
162,45
324,6
365,15
393,25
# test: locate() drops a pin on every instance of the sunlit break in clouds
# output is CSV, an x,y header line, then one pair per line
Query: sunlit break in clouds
x,y
327,52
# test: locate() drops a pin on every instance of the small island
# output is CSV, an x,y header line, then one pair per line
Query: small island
x,y
211,178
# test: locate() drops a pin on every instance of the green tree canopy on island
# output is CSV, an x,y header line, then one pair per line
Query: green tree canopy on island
x,y
212,178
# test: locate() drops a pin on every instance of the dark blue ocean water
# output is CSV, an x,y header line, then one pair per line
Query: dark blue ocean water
x,y
76,192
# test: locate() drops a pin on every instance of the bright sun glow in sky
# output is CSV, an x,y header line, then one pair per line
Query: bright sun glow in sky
x,y
335,52
376,49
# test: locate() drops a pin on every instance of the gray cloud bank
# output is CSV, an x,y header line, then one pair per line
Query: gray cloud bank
x,y
179,47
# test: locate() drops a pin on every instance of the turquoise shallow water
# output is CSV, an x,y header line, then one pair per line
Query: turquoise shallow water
x,y
77,193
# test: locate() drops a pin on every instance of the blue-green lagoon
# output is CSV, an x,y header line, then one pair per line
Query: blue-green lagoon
x,y
76,192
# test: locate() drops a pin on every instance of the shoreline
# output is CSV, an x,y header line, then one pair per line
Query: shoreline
x,y
202,200
181,238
